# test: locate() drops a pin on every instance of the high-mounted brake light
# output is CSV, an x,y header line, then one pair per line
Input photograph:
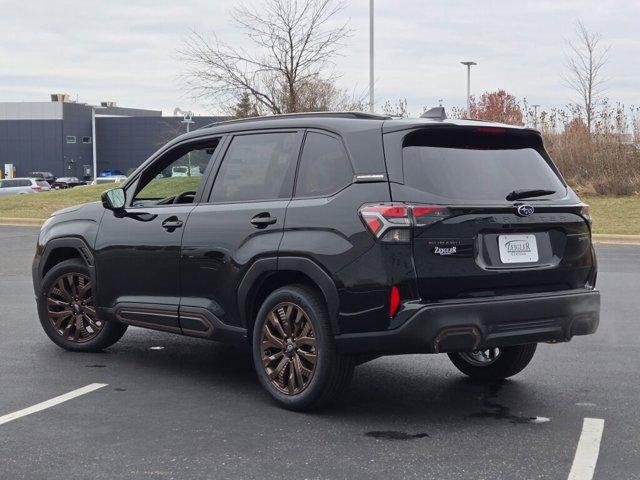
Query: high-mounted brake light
x,y
392,222
494,130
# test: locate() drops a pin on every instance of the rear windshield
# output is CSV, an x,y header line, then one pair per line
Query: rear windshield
x,y
477,167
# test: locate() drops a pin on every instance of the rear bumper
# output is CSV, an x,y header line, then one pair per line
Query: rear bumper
x,y
466,325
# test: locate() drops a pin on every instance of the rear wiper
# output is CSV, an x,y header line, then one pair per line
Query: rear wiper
x,y
518,194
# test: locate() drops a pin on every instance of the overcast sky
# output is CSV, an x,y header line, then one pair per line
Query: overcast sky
x,y
125,50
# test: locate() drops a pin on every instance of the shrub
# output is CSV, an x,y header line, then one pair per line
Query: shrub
x,y
605,161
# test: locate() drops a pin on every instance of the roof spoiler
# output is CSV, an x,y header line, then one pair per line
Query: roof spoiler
x,y
435,113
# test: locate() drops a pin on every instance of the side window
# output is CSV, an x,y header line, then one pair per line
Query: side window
x,y
257,167
176,176
324,166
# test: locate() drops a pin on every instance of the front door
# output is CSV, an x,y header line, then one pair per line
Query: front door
x,y
137,252
242,220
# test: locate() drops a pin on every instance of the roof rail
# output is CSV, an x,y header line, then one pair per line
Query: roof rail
x,y
359,115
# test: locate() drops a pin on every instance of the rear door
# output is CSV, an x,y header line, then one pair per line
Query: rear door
x,y
468,239
242,220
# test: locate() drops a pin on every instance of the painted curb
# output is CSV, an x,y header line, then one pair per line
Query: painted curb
x,y
21,222
616,239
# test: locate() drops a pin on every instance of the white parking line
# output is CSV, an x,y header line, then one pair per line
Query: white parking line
x,y
584,462
50,403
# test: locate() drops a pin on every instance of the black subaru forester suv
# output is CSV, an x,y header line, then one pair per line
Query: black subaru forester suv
x,y
327,239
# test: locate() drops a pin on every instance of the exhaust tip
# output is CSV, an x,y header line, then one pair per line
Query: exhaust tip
x,y
458,339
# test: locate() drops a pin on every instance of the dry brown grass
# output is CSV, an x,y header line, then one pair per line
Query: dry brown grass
x,y
596,164
605,161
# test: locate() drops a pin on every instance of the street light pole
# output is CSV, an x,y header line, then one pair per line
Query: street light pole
x,y
535,116
468,64
187,117
94,149
371,97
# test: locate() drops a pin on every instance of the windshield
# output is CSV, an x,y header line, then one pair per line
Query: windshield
x,y
469,174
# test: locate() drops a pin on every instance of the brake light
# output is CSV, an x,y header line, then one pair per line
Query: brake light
x,y
394,301
36,188
494,130
392,222
390,211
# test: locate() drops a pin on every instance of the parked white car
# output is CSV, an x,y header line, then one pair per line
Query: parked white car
x,y
10,186
184,171
112,179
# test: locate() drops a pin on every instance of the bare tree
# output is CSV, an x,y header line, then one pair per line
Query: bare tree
x,y
585,62
294,43
398,109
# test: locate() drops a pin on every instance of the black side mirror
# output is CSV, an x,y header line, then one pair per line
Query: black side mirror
x,y
114,199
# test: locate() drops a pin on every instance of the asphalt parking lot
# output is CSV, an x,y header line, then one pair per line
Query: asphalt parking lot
x,y
179,408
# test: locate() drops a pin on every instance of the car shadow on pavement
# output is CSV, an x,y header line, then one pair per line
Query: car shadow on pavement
x,y
436,396
414,388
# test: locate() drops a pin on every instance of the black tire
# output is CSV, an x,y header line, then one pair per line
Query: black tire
x,y
332,373
110,332
512,360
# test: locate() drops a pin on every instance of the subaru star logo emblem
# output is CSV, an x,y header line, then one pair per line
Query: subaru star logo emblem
x,y
525,210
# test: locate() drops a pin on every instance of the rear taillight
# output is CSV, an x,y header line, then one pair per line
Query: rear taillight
x,y
36,188
584,211
392,222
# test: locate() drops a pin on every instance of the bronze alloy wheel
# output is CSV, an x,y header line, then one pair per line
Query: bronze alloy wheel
x,y
70,308
288,348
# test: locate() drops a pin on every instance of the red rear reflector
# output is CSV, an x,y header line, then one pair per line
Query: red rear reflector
x,y
394,301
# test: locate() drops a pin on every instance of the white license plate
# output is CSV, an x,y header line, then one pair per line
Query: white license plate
x,y
518,248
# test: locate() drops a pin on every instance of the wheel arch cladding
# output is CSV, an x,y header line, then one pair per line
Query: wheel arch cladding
x,y
60,249
267,275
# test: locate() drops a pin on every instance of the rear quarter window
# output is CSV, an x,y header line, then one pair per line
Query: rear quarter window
x,y
324,166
